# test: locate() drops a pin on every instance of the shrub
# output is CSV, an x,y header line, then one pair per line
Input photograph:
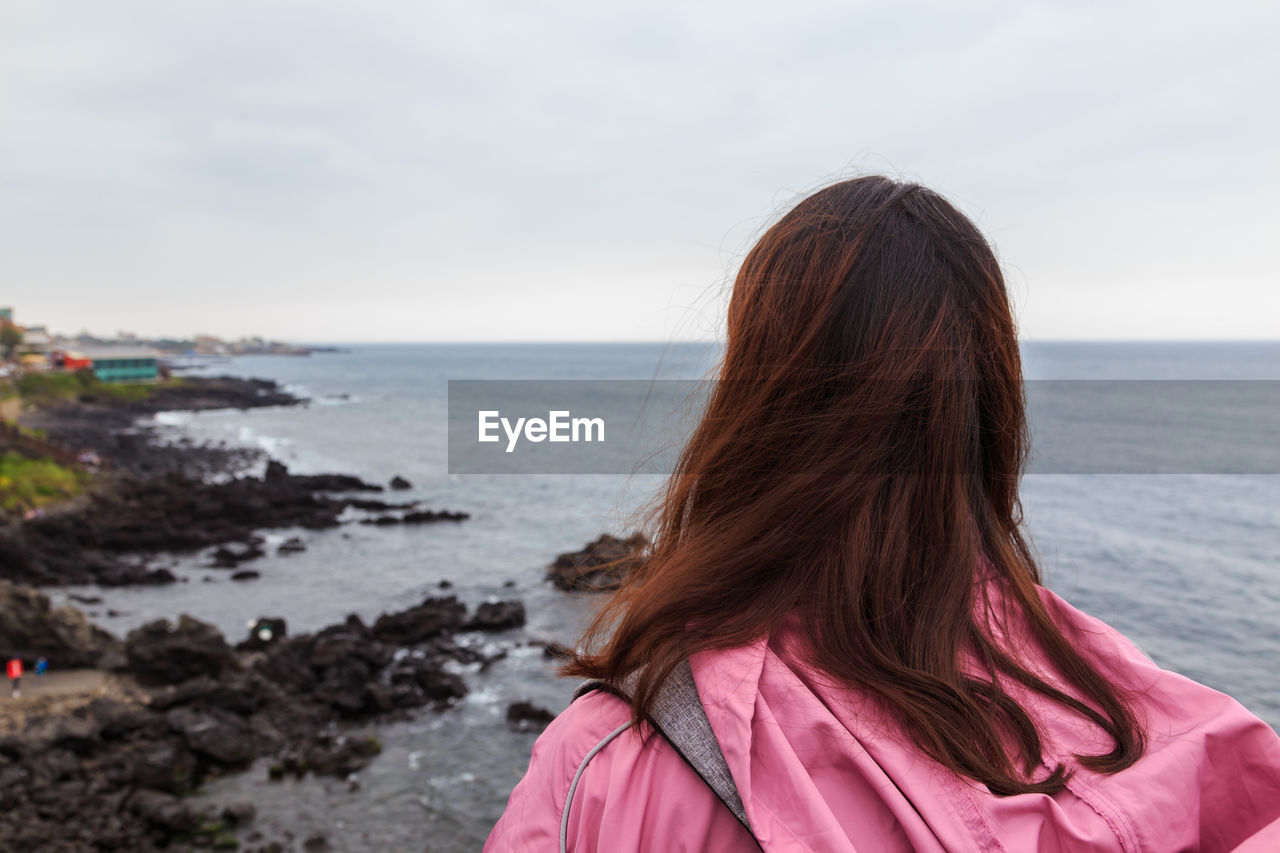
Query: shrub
x,y
28,483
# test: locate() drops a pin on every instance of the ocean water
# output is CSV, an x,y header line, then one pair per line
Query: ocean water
x,y
1186,565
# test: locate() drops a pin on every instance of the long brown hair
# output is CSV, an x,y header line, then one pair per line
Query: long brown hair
x,y
857,466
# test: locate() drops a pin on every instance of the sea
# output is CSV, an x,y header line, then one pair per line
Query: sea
x,y
1187,565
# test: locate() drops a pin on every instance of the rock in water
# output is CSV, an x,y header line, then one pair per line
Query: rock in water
x,y
239,812
277,473
263,631
162,653
496,616
292,545
431,618
234,553
427,516
601,565
526,716
400,483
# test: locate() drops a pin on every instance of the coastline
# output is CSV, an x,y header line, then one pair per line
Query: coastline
x,y
107,758
105,755
149,498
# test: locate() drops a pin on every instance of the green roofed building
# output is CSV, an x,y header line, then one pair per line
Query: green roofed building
x,y
117,364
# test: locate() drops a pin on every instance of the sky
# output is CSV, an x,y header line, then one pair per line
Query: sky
x,y
373,171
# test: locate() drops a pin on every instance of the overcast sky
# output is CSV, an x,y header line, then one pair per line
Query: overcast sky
x,y
594,171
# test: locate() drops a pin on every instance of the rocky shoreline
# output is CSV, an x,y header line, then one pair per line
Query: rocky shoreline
x,y
601,565
110,428
110,771
154,498
174,704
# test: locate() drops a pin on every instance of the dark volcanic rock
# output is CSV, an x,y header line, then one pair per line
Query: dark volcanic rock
x,y
469,653
345,686
217,735
423,516
376,506
239,813
527,716
115,719
287,666
400,483
265,631
30,628
345,660
234,553
153,496
342,755
292,545
278,473
601,565
160,652
76,734
431,618
496,616
147,577
108,426
431,681
207,693
160,762
427,516
173,513
164,811
338,667
105,776
245,575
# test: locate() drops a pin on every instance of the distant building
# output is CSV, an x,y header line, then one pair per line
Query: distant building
x,y
34,361
115,364
35,339
210,345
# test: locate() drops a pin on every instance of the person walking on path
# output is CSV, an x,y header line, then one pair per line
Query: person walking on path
x,y
14,671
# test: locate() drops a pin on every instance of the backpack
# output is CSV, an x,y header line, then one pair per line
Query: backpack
x,y
679,717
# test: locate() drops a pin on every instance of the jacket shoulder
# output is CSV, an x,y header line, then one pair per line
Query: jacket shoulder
x,y
611,788
535,808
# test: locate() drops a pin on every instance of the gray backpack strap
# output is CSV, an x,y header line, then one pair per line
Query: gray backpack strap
x,y
679,717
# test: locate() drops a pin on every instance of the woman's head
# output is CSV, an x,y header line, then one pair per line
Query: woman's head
x,y
876,274
856,469
870,333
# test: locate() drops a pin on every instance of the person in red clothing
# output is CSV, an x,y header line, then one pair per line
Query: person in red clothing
x,y
14,670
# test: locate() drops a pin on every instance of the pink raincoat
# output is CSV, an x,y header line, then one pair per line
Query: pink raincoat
x,y
819,768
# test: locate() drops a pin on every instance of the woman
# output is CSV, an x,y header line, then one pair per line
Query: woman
x,y
839,561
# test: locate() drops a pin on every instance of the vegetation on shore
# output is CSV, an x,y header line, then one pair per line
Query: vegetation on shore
x,y
31,483
41,388
33,472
